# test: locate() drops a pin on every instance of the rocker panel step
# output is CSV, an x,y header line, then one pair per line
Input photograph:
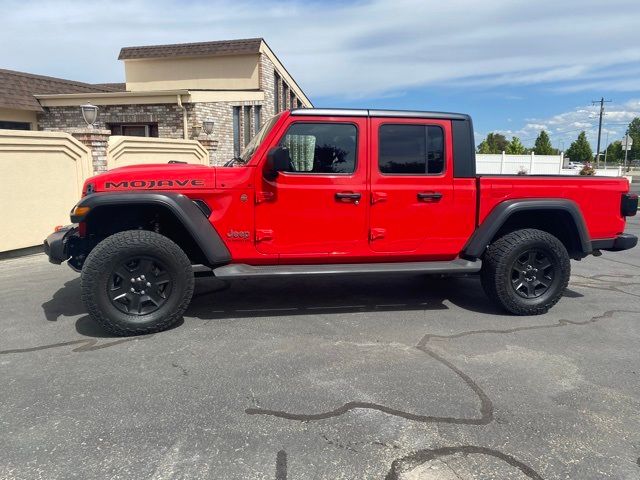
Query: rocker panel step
x,y
242,270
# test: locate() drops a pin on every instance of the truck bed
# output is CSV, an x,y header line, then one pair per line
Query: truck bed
x,y
597,197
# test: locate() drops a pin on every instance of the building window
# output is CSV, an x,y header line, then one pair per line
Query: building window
x,y
285,95
328,148
411,149
236,132
256,118
14,125
276,93
246,119
134,129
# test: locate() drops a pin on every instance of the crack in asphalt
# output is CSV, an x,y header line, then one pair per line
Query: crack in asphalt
x,y
561,323
486,405
86,345
415,459
281,465
611,286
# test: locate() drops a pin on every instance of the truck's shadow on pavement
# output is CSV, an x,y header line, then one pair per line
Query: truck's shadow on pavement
x,y
216,299
213,299
65,302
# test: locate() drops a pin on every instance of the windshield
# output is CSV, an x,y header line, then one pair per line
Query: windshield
x,y
255,142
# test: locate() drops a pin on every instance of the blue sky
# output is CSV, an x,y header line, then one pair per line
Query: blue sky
x,y
516,66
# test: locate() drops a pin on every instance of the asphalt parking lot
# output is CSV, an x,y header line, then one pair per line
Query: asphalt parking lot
x,y
403,377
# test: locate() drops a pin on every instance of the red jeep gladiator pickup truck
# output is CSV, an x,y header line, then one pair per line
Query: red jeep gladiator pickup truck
x,y
328,192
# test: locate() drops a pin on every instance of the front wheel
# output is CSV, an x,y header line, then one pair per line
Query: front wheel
x,y
137,282
526,271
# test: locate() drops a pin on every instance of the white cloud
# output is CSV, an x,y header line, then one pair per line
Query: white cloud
x,y
366,48
563,128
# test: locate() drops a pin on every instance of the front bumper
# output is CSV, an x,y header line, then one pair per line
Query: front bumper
x,y
56,246
624,241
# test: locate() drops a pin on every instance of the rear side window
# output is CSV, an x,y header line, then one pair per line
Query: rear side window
x,y
321,147
411,149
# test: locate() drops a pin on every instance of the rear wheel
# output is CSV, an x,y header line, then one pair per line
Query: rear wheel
x,y
137,282
526,271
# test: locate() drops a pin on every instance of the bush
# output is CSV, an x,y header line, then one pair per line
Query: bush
x,y
587,170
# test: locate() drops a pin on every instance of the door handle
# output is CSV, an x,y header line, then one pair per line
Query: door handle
x,y
429,196
355,197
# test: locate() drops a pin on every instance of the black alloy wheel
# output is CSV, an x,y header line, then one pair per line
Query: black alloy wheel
x,y
139,285
532,273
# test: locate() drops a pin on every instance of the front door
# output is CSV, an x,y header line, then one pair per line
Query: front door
x,y
411,187
317,208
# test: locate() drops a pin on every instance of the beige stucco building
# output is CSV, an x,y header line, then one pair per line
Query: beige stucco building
x,y
169,91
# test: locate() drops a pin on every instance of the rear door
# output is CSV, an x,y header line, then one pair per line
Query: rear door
x,y
318,208
411,187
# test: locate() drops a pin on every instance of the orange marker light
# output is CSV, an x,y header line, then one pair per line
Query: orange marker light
x,y
79,211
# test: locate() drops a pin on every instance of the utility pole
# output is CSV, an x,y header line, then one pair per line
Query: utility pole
x,y
601,102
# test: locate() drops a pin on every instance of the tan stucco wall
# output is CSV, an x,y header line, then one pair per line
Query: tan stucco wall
x,y
10,115
232,72
140,150
42,175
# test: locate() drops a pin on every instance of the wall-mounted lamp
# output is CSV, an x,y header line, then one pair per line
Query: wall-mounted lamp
x,y
89,114
207,126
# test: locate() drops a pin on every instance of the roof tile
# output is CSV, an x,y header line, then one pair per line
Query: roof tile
x,y
17,89
200,49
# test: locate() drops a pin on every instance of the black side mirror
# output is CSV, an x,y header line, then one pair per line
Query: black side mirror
x,y
278,160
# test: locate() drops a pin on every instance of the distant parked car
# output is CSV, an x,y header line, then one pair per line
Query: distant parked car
x,y
574,165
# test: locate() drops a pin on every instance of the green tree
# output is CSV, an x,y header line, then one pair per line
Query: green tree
x,y
634,132
580,150
615,154
543,145
494,143
515,147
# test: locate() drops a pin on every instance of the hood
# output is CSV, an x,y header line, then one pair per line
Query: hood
x,y
161,176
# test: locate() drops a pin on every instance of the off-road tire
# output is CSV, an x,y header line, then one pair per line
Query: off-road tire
x,y
111,252
497,270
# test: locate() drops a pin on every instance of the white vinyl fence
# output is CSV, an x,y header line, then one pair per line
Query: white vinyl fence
x,y
505,164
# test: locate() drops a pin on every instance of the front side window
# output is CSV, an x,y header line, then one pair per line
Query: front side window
x,y
411,149
321,147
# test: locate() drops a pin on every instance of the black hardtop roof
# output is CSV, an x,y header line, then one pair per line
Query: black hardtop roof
x,y
348,112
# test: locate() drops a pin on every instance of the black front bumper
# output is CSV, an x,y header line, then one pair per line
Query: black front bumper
x,y
56,246
624,241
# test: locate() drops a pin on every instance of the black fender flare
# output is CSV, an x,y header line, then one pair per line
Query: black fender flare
x,y
181,206
502,212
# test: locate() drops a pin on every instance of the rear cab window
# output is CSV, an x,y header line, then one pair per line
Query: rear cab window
x,y
411,149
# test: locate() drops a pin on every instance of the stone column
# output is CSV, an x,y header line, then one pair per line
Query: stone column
x,y
211,145
97,141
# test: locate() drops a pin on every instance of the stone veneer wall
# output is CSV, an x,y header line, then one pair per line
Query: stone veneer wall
x,y
222,114
167,116
267,80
